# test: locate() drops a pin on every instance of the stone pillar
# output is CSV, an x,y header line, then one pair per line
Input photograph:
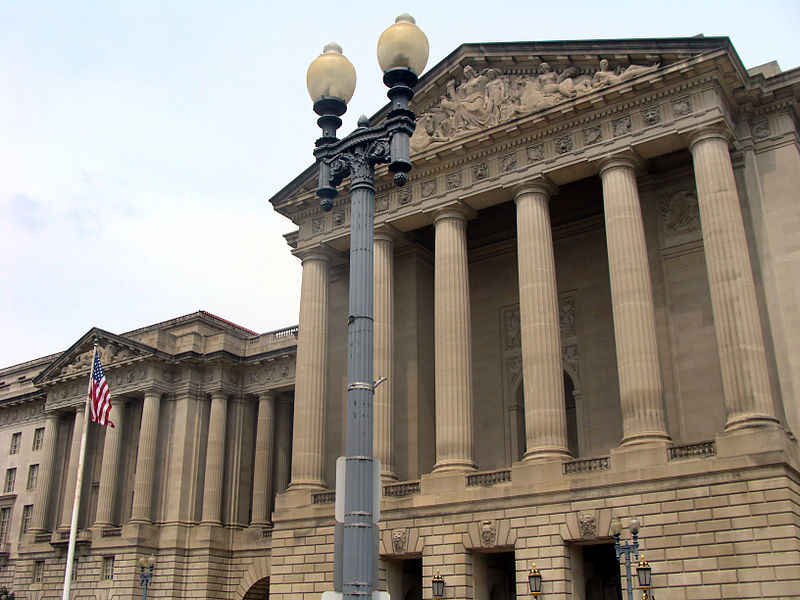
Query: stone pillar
x,y
383,363
44,484
740,342
311,375
215,460
72,469
264,460
283,444
110,468
146,458
639,370
234,434
453,343
545,415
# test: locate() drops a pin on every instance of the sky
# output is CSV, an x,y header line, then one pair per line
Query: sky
x,y
140,141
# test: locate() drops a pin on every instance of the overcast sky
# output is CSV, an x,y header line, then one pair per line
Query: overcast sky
x,y
140,141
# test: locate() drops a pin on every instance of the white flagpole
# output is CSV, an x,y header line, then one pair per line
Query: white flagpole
x,y
73,528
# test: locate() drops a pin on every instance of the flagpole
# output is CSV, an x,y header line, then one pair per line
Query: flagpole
x,y
73,527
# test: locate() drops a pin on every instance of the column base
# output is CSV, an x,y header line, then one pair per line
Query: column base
x,y
750,440
546,453
447,466
646,437
644,453
755,421
443,482
307,485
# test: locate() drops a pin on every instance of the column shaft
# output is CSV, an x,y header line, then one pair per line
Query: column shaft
x,y
264,461
72,470
110,466
215,460
384,345
545,416
283,444
740,342
146,459
453,344
312,346
41,499
639,370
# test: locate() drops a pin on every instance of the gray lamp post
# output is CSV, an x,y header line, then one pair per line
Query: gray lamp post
x,y
331,79
146,573
627,548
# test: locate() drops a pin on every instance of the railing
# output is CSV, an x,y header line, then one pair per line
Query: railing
x,y
282,333
586,465
699,450
41,538
323,498
403,488
489,477
111,532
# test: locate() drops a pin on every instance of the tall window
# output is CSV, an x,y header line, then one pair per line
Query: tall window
x,y
5,519
33,475
15,441
38,438
108,568
11,478
38,571
27,513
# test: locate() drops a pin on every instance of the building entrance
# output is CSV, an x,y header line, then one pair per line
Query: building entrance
x,y
601,574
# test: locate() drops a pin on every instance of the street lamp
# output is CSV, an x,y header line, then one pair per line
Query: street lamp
x,y
535,581
643,572
627,548
437,583
146,573
331,79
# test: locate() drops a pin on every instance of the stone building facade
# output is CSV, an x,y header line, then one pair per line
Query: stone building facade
x,y
586,306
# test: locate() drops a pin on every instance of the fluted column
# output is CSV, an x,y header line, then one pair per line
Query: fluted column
x,y
146,458
72,469
310,379
44,484
110,467
545,414
453,343
383,331
639,370
283,444
264,460
740,342
215,460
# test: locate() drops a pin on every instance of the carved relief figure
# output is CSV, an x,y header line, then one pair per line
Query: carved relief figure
x,y
488,533
399,538
588,526
681,212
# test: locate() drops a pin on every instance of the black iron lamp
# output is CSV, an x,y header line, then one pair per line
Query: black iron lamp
x,y
438,586
535,581
643,572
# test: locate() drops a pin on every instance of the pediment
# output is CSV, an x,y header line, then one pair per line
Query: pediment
x,y
484,88
114,350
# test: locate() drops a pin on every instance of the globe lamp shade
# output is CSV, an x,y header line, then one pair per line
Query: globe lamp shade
x,y
634,524
403,45
616,527
331,75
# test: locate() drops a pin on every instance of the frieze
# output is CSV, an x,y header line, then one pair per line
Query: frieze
x,y
592,135
428,188
404,196
508,163
535,153
480,171
681,107
487,98
621,126
651,116
381,203
22,413
454,180
338,217
317,225
563,144
760,129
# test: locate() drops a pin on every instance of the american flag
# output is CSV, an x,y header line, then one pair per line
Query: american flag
x,y
99,396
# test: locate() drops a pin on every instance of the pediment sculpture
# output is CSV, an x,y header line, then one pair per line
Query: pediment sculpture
x,y
109,353
490,97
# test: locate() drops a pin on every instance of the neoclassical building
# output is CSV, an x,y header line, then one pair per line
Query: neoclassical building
x,y
587,308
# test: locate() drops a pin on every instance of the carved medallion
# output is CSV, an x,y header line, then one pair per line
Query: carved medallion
x,y
651,116
681,213
381,203
338,217
535,153
760,129
592,135
508,162
681,106
480,171
621,126
318,225
588,526
453,180
428,188
488,533
399,541
404,196
563,144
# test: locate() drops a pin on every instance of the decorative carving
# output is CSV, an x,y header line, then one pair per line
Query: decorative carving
x,y
588,526
270,373
404,196
760,129
592,135
514,368
681,106
566,317
255,375
488,534
338,217
513,336
480,171
208,375
381,203
483,99
399,541
535,153
26,412
621,126
428,188
681,213
284,370
318,225
563,144
651,116
508,162
453,180
569,357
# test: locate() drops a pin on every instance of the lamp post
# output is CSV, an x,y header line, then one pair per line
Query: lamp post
x,y
627,548
146,573
331,79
